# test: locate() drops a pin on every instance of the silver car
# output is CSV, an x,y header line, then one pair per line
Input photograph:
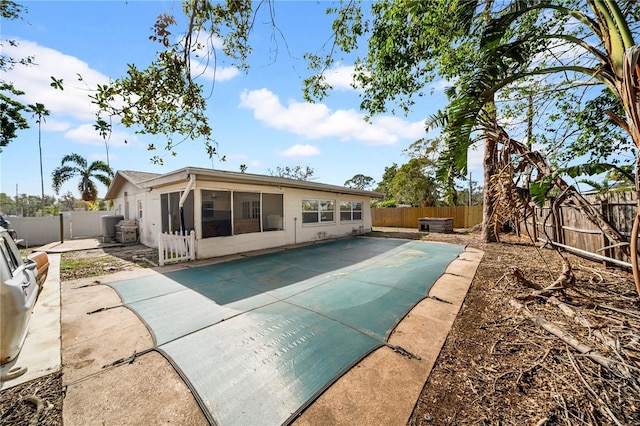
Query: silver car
x,y
19,289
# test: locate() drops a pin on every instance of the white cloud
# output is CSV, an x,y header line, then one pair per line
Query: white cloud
x,y
441,85
53,125
314,121
86,134
299,150
35,81
340,77
211,72
203,64
404,129
204,41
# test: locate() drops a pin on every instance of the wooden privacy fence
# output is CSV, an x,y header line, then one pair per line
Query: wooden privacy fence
x,y
173,248
570,229
407,217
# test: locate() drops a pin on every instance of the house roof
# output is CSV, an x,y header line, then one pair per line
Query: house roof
x,y
155,180
135,177
123,176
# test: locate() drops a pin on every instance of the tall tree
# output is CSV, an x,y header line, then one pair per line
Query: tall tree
x,y
11,118
360,181
40,112
409,45
104,129
295,172
608,55
166,97
74,165
7,204
31,205
67,201
414,185
387,177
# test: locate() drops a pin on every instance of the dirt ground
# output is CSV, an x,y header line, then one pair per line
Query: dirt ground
x,y
501,364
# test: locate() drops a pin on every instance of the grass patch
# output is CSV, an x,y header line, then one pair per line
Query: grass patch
x,y
67,264
85,266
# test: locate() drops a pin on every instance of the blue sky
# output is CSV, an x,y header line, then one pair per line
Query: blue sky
x,y
260,119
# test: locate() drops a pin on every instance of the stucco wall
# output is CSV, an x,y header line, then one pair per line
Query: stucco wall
x,y
127,206
294,230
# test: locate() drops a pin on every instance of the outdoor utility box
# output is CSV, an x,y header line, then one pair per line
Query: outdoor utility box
x,y
435,224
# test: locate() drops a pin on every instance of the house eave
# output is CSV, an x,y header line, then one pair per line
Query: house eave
x,y
209,175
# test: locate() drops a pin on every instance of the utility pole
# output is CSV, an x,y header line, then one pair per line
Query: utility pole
x,y
21,206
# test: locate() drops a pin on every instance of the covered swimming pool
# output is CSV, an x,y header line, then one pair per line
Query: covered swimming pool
x,y
258,339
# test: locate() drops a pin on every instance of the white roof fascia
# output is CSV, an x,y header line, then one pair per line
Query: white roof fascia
x,y
248,178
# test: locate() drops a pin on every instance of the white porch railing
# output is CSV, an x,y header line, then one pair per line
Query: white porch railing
x,y
173,248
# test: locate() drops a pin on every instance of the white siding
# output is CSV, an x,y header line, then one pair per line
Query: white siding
x,y
151,223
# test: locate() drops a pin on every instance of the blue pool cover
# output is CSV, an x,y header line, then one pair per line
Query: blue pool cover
x,y
258,339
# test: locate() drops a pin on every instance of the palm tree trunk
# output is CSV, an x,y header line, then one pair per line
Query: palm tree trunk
x,y
41,173
489,229
635,268
489,232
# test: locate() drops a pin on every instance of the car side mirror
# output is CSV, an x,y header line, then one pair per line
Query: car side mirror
x,y
30,265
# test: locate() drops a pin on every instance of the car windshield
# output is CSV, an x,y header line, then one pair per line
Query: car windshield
x,y
9,255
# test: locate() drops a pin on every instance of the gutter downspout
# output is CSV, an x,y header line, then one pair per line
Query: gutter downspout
x,y
185,194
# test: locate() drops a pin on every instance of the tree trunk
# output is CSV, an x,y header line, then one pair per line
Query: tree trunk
x,y
489,228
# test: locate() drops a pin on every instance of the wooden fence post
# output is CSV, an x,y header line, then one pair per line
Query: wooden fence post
x,y
61,229
606,213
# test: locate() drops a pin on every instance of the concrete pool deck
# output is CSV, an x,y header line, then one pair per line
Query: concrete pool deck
x,y
113,374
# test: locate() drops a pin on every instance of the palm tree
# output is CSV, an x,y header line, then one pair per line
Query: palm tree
x,y
615,63
40,111
73,165
104,129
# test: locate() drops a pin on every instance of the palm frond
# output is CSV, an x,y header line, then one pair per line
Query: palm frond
x,y
76,165
595,169
61,175
498,27
77,159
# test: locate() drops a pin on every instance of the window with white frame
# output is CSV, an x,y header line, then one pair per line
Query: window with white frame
x,y
350,211
318,211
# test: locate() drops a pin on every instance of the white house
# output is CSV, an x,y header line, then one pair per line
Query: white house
x,y
233,212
